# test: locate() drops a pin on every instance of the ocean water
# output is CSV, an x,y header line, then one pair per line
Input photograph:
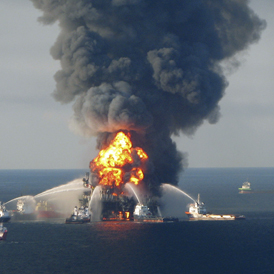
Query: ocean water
x,y
125,247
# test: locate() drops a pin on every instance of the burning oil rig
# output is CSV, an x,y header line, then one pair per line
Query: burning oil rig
x,y
115,166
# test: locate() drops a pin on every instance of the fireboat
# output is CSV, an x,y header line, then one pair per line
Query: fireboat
x,y
198,212
79,216
143,214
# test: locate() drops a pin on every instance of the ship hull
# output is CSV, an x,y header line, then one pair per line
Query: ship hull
x,y
214,217
156,220
4,219
245,191
49,214
77,221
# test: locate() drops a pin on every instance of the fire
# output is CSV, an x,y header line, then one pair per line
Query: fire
x,y
127,214
136,175
117,159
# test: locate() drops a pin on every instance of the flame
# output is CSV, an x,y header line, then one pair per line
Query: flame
x,y
127,214
136,175
112,163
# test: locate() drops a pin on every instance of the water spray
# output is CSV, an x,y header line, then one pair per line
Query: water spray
x,y
179,190
128,185
58,191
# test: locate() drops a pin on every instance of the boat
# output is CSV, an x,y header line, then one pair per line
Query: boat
x,y
80,216
197,211
45,211
4,214
3,232
143,214
245,188
23,212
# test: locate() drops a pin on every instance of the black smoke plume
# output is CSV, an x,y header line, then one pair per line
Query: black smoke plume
x,y
151,67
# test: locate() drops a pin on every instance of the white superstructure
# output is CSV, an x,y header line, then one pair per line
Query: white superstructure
x,y
142,211
4,214
197,209
246,185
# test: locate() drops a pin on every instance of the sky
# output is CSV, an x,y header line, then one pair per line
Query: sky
x,y
34,132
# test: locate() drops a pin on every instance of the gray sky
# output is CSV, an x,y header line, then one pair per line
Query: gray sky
x,y
34,129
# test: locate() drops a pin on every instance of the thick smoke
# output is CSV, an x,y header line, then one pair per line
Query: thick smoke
x,y
149,67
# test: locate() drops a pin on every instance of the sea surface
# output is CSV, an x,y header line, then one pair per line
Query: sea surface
x,y
125,247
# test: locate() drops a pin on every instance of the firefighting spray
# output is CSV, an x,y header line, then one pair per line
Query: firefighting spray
x,y
148,70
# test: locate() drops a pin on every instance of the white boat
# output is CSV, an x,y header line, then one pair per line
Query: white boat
x,y
197,211
246,188
143,214
79,216
4,214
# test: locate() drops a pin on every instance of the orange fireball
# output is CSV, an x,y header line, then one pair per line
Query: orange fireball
x,y
110,162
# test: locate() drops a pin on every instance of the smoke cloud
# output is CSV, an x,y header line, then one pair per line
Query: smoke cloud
x,y
145,66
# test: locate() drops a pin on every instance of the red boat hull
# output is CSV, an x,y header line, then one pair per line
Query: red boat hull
x,y
3,235
48,214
